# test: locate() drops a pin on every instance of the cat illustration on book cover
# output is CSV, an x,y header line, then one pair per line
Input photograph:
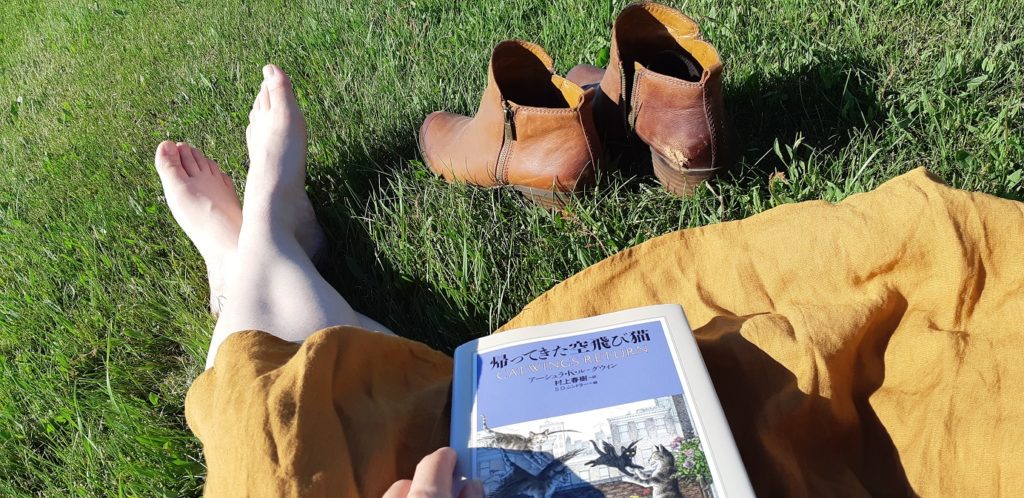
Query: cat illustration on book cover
x,y
609,457
516,442
522,482
661,477
522,452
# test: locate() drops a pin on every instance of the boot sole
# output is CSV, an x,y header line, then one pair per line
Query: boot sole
x,y
680,181
548,199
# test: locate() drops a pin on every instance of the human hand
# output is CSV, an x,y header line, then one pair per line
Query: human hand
x,y
433,479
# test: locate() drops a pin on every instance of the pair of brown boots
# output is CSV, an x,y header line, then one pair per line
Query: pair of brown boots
x,y
544,134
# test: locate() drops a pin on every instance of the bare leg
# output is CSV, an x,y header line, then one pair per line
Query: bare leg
x,y
272,283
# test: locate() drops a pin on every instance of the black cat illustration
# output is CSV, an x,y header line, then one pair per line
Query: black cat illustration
x,y
621,460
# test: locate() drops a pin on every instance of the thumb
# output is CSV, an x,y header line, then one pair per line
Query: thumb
x,y
472,489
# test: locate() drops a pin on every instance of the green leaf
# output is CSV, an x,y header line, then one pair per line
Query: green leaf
x,y
1014,178
976,82
603,56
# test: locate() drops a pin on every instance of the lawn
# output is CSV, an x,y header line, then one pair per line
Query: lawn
x,y
102,299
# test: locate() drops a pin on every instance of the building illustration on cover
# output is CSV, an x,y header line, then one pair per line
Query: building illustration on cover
x,y
645,448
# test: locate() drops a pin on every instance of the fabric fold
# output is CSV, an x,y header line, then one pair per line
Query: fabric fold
x,y
340,415
869,347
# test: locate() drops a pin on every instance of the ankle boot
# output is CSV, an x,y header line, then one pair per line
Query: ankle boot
x,y
534,130
663,85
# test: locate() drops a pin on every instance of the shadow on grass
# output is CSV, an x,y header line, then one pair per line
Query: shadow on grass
x,y
828,104
825,103
413,308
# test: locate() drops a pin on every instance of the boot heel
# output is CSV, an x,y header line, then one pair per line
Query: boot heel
x,y
554,201
679,181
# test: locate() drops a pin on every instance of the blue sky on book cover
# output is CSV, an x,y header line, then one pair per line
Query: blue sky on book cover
x,y
575,373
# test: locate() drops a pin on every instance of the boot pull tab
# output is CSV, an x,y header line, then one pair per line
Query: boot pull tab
x,y
510,123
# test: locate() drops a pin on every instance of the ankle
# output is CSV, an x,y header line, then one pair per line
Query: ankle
x,y
268,208
266,228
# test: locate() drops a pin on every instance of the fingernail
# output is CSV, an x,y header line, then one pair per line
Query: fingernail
x,y
268,71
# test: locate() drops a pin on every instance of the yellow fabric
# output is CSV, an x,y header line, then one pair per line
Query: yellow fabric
x,y
866,348
340,415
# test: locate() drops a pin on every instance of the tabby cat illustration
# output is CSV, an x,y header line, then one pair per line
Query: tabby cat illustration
x,y
516,442
607,456
662,477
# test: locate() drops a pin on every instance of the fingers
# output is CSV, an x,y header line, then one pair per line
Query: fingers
x,y
399,489
433,476
472,489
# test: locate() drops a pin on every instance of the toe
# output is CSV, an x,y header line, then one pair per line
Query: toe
x,y
214,168
262,102
188,160
227,180
263,97
205,164
257,103
168,162
278,87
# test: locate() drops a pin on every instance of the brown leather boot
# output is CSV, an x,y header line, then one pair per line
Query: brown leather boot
x,y
664,85
534,130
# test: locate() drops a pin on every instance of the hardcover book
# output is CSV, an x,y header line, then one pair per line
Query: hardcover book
x,y
617,405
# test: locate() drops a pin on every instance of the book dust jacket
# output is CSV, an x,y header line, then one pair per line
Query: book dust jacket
x,y
601,412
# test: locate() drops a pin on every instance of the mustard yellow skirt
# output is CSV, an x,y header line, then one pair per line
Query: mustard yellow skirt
x,y
871,347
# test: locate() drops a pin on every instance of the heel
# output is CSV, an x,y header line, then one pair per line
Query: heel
x,y
548,199
679,181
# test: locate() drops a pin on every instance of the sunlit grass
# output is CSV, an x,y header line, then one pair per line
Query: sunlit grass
x,y
102,306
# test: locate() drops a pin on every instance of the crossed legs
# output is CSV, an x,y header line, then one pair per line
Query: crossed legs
x,y
258,256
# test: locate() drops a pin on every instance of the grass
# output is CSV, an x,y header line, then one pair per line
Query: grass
x,y
102,320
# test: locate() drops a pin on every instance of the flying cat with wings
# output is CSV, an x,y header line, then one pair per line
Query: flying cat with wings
x,y
608,456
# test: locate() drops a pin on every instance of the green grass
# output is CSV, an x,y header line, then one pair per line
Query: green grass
x,y
102,319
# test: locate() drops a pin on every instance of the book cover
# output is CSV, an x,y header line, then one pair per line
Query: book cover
x,y
614,405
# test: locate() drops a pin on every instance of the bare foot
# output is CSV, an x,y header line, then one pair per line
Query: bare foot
x,y
203,201
276,138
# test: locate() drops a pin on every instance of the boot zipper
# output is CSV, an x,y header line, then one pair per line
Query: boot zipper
x,y
634,107
625,100
510,123
506,142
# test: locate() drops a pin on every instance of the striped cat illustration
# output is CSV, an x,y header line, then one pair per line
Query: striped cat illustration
x,y
661,478
516,442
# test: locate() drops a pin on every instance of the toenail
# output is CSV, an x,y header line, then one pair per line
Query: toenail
x,y
268,71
